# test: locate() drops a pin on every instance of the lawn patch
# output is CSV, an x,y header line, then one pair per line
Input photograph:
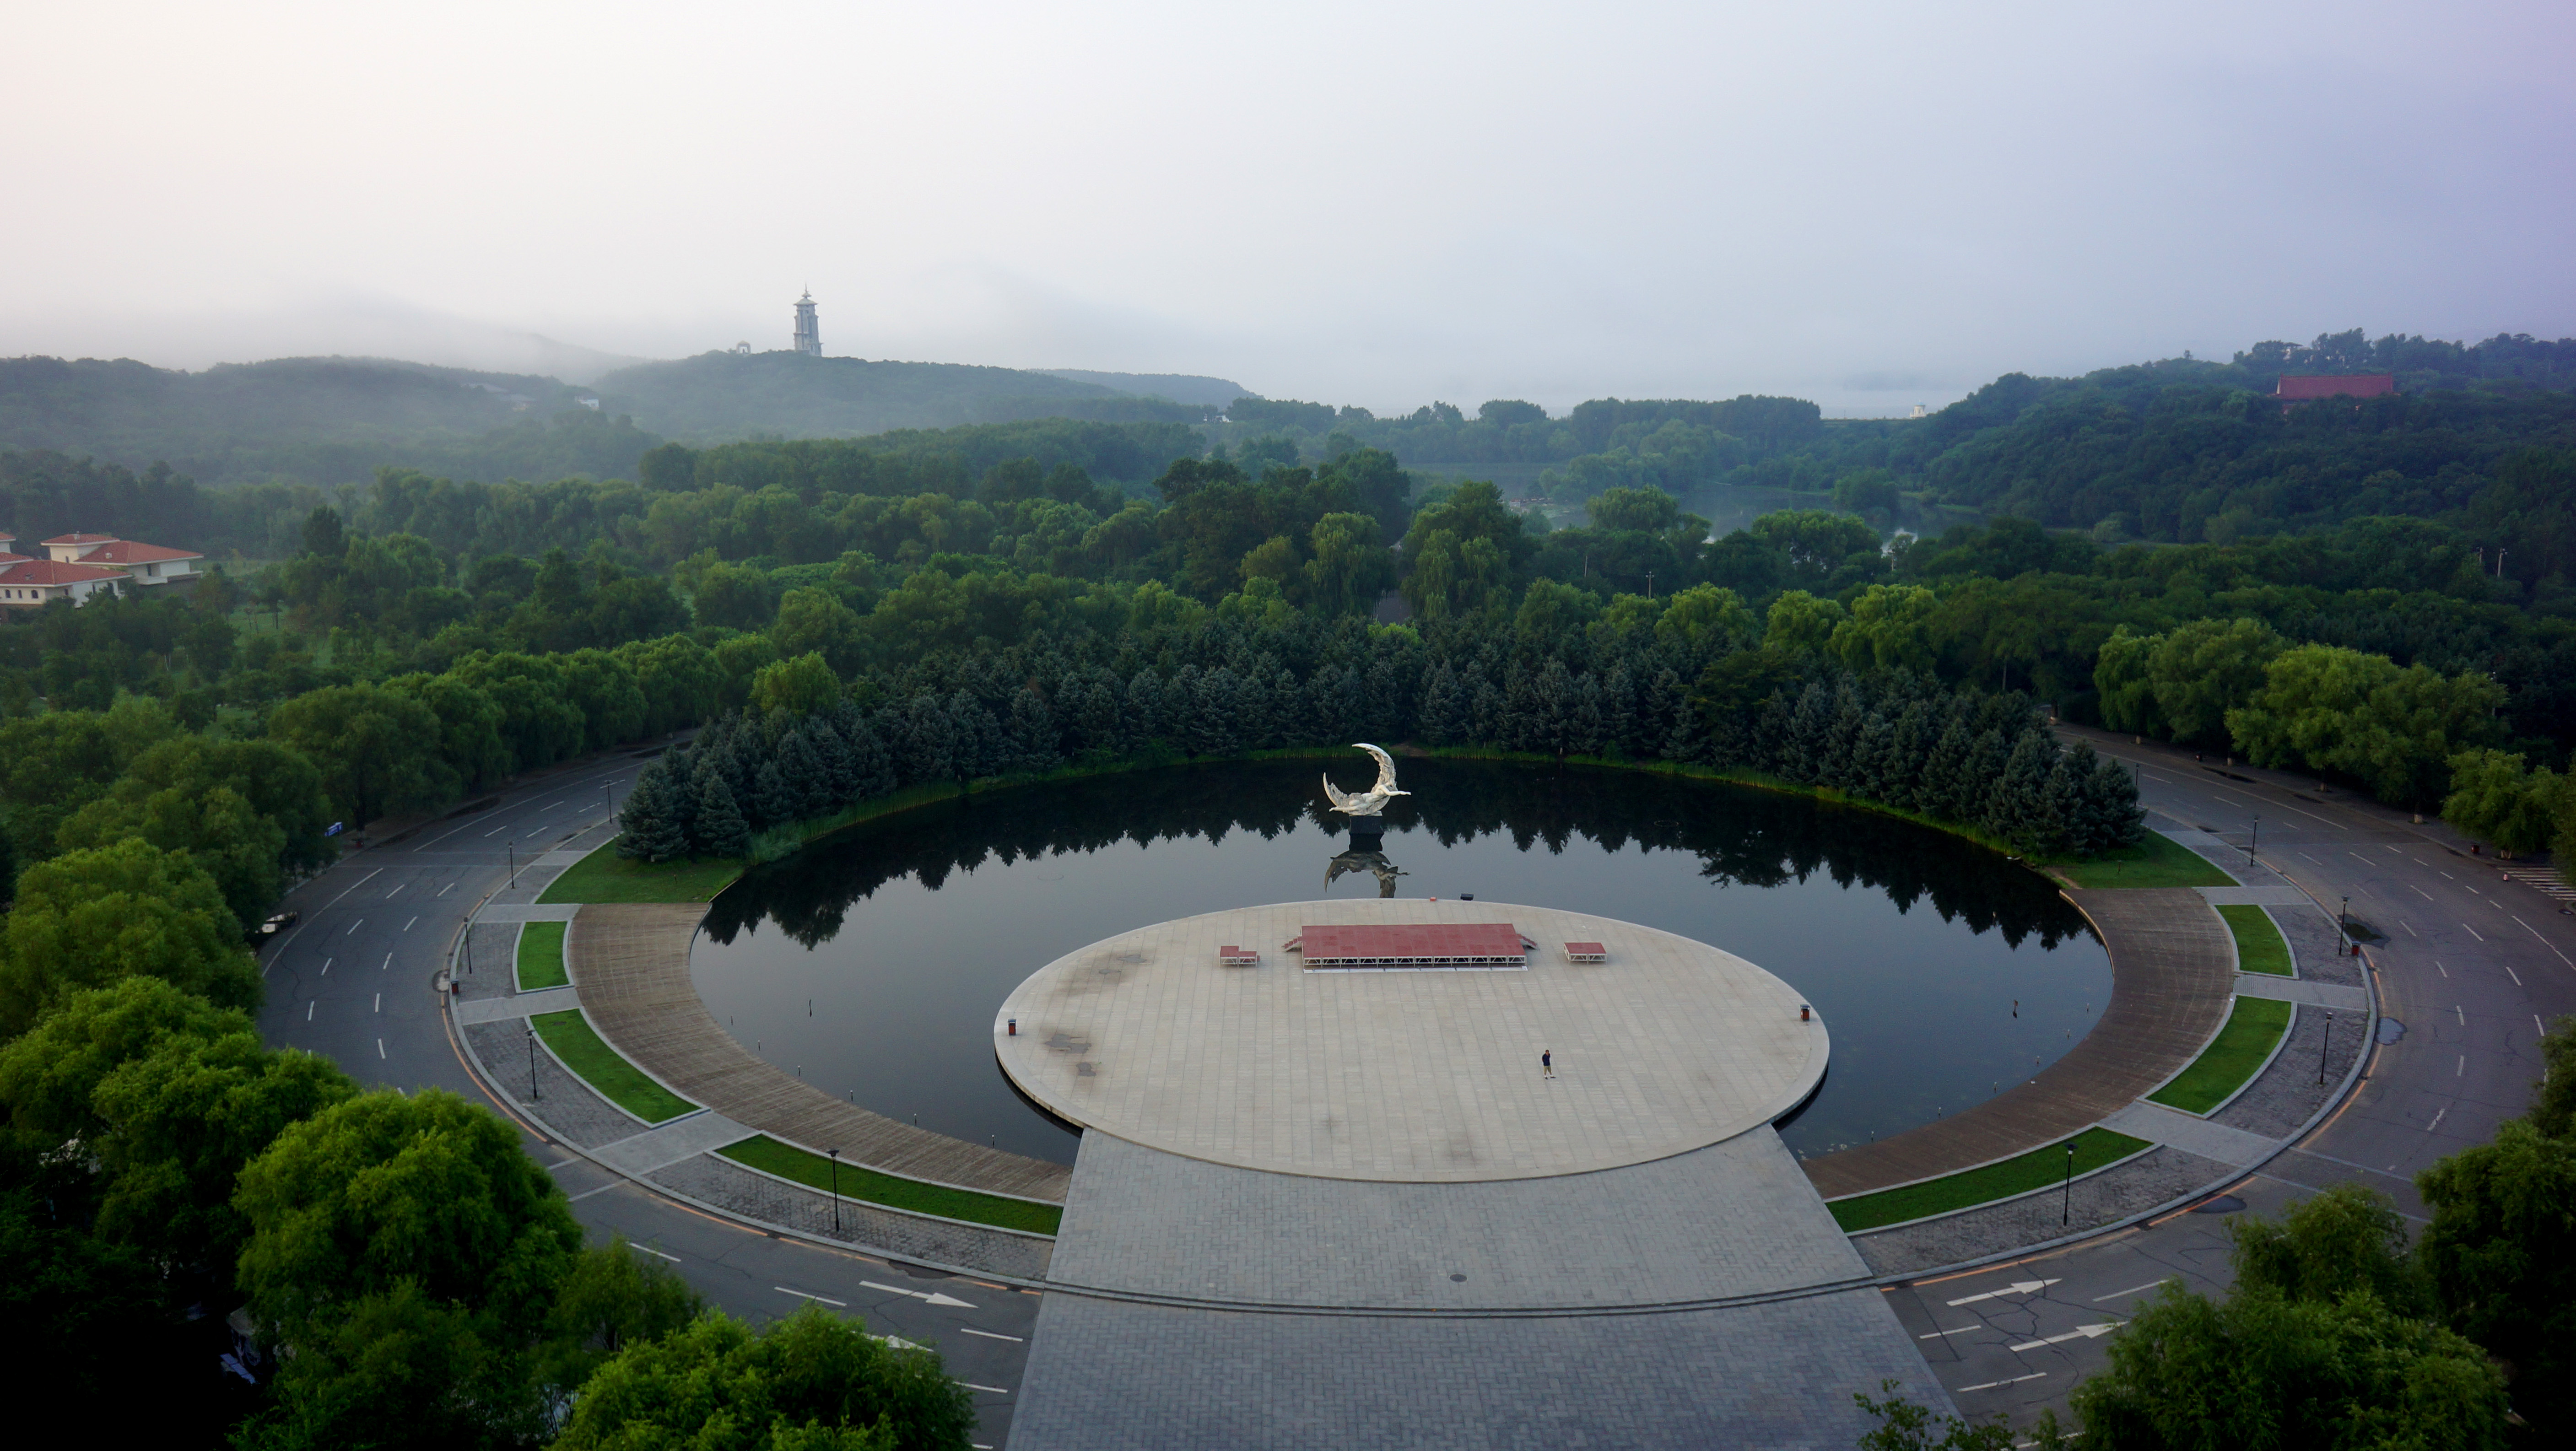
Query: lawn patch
x,y
787,1162
604,876
541,956
2158,861
591,1060
2240,1048
2259,947
2037,1169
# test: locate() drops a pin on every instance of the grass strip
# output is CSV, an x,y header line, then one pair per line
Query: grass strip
x,y
787,1162
2158,861
2037,1169
604,876
541,956
590,1058
2228,1061
2259,947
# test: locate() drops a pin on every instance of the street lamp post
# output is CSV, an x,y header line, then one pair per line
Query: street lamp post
x,y
2322,1045
513,848
2254,843
2343,925
2066,1205
534,1092
836,1189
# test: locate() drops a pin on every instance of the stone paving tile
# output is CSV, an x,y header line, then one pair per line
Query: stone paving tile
x,y
1109,1374
2151,1179
1669,1046
493,947
737,1190
1735,1218
2287,1094
564,1103
2313,940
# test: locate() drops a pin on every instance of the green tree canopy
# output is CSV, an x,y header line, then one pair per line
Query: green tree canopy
x,y
366,739
804,1383
88,918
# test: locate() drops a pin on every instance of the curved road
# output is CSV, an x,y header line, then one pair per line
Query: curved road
x,y
2471,965
355,980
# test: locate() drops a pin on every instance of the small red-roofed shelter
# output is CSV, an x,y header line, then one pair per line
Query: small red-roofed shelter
x,y
1233,956
2354,385
1413,947
1586,952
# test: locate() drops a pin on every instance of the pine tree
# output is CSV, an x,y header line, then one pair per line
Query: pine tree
x,y
1802,755
838,772
1211,722
1981,775
1032,732
1586,727
1873,759
2019,809
1487,714
2112,816
1667,720
1551,728
2065,813
1096,722
720,830
1938,790
1440,706
1619,712
1144,709
1842,736
975,738
774,802
647,829
871,762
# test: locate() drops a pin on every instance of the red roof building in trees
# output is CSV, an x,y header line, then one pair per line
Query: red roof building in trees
x,y
2355,385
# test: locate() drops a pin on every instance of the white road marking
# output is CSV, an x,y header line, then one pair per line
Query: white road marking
x,y
2437,1118
2472,891
407,926
1940,1334
1990,1385
2473,932
2018,1287
2438,967
2168,780
2545,942
925,1295
996,1390
2419,891
380,1047
2411,932
648,1249
354,926
309,1007
2312,816
602,1189
992,1335
2539,1026
353,886
809,1295
2080,1332
2463,1070
2401,851
2133,1289
2313,859
2461,1014
2230,800
2356,856
326,966
496,831
450,887
387,964
899,1343
2509,972
380,1002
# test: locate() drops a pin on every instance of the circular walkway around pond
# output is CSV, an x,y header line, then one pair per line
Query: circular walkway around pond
x,y
1421,1076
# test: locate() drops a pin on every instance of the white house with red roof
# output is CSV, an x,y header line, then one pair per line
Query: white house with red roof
x,y
78,566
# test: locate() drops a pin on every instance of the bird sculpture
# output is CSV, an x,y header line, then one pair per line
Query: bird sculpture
x,y
1374,799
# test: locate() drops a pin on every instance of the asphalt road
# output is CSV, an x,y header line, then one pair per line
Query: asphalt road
x,y
2471,965
356,980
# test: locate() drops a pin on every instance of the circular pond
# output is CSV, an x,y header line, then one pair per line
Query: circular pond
x,y
871,964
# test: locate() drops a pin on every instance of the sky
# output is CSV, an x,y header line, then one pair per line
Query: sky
x,y
1868,205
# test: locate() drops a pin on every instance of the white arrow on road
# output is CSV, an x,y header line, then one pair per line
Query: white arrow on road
x,y
2080,1332
925,1295
2018,1287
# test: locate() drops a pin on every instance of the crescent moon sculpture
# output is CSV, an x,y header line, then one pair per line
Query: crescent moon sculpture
x,y
1372,801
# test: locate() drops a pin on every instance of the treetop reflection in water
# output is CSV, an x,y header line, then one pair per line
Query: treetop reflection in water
x,y
902,937
1740,835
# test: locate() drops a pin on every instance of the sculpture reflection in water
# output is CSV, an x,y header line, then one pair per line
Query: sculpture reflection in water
x,y
1371,861
1366,809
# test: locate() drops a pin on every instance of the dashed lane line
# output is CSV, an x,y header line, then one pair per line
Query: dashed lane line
x,y
648,1249
2473,932
927,1296
992,1334
309,1007
407,926
1992,1384
2545,942
2419,891
1945,1334
2132,1290
354,926
380,1049
810,1295
2509,972
994,1390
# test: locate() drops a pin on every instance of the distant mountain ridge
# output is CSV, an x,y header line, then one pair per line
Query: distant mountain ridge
x,y
727,397
1179,387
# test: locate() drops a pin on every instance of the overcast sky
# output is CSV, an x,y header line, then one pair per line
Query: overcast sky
x,y
1869,205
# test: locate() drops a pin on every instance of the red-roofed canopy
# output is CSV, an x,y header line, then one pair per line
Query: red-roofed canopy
x,y
1428,944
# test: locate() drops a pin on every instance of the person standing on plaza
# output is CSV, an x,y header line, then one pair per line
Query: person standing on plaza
x,y
1546,1063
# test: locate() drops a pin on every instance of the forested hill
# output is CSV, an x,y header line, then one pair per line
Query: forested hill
x,y
312,420
725,397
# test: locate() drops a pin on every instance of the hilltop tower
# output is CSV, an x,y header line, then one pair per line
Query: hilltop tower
x,y
809,335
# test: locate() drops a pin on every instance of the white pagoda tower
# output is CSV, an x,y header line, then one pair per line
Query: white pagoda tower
x,y
809,335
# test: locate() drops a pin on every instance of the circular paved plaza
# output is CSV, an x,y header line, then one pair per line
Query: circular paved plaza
x,y
1665,1046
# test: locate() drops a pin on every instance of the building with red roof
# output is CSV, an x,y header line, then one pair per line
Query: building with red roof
x,y
77,566
2355,385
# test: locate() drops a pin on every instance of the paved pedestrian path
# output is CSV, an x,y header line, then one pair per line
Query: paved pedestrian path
x,y
631,963
2173,979
520,1005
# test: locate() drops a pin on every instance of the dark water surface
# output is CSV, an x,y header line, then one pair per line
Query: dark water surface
x,y
872,963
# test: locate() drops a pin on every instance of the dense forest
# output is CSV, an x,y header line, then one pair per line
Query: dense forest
x,y
839,619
